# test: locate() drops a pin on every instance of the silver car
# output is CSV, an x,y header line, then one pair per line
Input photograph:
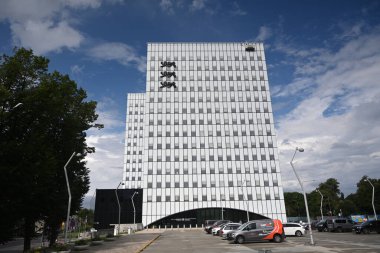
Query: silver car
x,y
258,230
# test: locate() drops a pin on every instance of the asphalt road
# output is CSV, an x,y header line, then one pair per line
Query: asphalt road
x,y
189,241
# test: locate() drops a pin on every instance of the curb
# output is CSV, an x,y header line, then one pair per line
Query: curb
x,y
147,245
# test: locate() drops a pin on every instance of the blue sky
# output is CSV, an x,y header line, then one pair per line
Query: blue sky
x,y
323,59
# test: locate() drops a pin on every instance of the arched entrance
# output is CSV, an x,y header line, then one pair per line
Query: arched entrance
x,y
197,217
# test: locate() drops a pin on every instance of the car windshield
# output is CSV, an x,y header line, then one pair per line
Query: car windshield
x,y
241,227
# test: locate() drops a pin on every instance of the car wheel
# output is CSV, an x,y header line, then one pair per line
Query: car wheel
x,y
298,233
325,230
365,231
339,230
277,238
240,239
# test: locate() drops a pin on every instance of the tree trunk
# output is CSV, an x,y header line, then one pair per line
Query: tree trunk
x,y
28,233
53,233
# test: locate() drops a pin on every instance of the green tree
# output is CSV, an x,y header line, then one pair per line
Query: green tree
x,y
36,140
295,204
363,196
87,216
332,196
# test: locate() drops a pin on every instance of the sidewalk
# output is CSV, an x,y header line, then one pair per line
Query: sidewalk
x,y
133,243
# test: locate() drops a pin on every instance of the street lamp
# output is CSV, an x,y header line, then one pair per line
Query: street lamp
x,y
68,189
321,202
246,204
18,104
118,202
304,194
134,210
373,197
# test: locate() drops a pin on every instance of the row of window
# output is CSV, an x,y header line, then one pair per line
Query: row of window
x,y
210,145
211,121
215,77
203,170
211,102
210,133
214,86
200,48
194,158
204,184
227,110
208,57
208,67
241,197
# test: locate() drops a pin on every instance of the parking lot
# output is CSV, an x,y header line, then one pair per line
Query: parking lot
x,y
186,241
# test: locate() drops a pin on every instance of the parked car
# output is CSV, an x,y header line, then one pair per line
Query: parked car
x,y
367,227
208,229
322,226
227,228
339,225
208,224
258,230
294,229
215,230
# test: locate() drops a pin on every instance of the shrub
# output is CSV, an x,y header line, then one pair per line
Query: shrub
x,y
60,247
81,242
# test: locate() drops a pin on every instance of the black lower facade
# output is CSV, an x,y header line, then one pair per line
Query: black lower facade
x,y
107,211
107,208
197,217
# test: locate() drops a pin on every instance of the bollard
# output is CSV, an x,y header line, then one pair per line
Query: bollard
x,y
196,225
172,227
165,227
177,226
159,227
190,226
183,225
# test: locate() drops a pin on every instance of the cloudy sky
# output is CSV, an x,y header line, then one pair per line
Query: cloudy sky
x,y
323,59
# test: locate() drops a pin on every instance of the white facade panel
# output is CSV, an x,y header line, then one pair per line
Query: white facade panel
x,y
209,141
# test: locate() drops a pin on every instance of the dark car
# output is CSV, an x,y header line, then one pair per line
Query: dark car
x,y
367,227
321,226
339,225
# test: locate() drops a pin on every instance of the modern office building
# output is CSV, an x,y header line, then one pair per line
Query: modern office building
x,y
200,141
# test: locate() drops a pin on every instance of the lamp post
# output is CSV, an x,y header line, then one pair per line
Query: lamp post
x,y
373,197
134,210
68,189
246,204
18,104
118,202
304,194
321,202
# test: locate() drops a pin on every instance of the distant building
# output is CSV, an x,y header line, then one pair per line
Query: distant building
x,y
200,141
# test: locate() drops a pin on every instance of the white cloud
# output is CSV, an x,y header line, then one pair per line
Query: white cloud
x,y
197,5
264,33
122,53
44,25
337,120
106,164
167,6
76,69
237,11
45,37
